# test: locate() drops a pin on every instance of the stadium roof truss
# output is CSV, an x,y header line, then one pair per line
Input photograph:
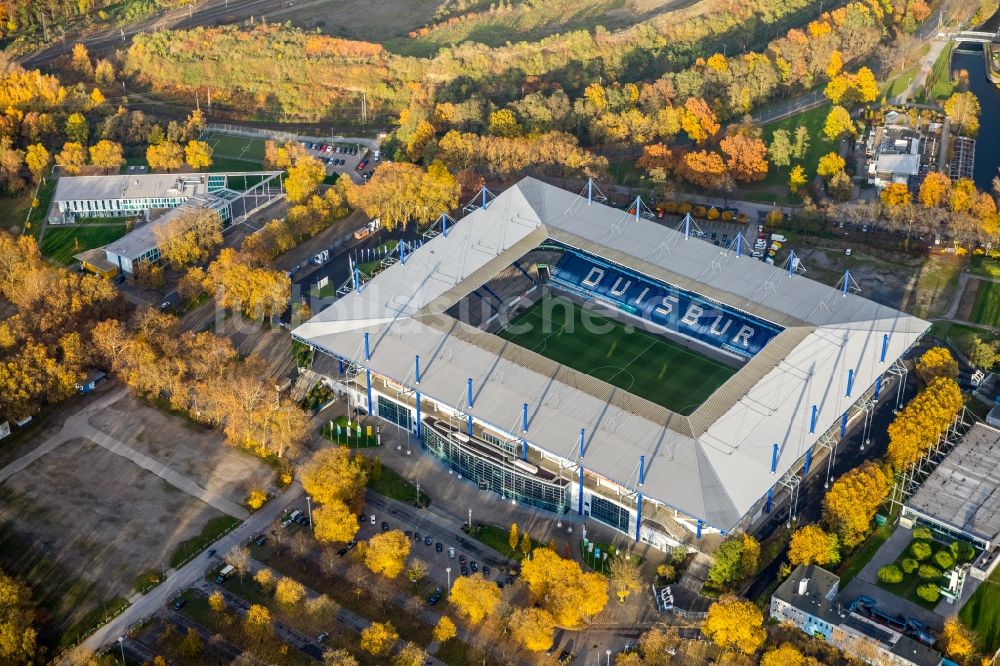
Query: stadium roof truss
x,y
715,464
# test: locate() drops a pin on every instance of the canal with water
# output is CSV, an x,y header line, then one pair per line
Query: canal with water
x,y
970,58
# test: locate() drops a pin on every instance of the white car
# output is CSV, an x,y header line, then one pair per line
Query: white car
x,y
373,519
451,552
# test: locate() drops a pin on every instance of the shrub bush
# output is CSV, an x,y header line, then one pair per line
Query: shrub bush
x,y
944,559
929,592
922,533
928,572
963,551
909,565
921,550
890,573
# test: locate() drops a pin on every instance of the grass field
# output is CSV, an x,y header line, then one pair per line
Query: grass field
x,y
235,153
775,186
939,80
987,307
985,266
981,613
61,243
637,361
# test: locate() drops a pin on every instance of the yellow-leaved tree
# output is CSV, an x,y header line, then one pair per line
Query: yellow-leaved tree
x,y
532,628
445,629
850,504
165,156
17,637
917,427
786,655
562,588
811,545
198,154
733,623
334,474
304,178
958,641
411,655
378,638
107,155
386,553
289,591
474,597
334,522
936,362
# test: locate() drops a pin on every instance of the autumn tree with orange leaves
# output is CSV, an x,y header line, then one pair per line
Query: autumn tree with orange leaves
x,y
746,157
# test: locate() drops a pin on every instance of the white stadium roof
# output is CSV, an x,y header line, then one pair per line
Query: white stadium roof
x,y
714,464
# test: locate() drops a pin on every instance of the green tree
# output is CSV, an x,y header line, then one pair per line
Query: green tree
x,y
77,129
780,150
801,144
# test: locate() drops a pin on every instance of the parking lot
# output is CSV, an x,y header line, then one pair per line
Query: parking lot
x,y
344,158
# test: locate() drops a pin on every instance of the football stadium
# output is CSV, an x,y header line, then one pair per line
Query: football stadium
x,y
576,357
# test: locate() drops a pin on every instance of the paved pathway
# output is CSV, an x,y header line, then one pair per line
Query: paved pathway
x,y
937,45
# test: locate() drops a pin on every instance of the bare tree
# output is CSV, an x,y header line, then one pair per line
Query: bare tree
x,y
239,559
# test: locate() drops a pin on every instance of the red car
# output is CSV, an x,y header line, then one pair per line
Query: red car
x,y
362,164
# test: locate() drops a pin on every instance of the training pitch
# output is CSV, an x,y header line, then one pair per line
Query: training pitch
x,y
640,362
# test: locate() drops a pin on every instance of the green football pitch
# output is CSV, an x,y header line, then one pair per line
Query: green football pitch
x,y
642,363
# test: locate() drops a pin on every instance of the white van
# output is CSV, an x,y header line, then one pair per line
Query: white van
x,y
226,573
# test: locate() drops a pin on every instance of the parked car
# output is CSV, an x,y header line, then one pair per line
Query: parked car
x,y
385,526
486,570
439,546
260,540
373,519
428,541
475,567
451,552
180,603
465,570
435,597
323,636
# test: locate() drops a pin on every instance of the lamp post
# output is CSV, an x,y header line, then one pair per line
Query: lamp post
x,y
608,652
309,510
121,644
448,571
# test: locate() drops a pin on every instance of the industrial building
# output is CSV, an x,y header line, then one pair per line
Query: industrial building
x,y
153,200
421,345
961,497
810,599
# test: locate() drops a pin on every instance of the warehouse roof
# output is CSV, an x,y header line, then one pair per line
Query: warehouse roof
x,y
130,186
963,492
715,463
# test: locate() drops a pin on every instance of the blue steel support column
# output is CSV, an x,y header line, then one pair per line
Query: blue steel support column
x,y
416,361
524,449
698,533
340,365
590,191
368,351
357,279
485,205
770,498
812,420
638,517
843,424
638,208
850,382
419,426
739,244
791,263
402,251
368,380
469,428
774,458
847,282
579,508
878,386
642,470
687,226
524,417
885,347
444,224
809,459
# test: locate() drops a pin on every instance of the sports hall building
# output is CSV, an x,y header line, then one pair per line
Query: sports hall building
x,y
696,389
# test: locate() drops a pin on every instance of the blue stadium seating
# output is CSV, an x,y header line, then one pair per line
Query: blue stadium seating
x,y
670,307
